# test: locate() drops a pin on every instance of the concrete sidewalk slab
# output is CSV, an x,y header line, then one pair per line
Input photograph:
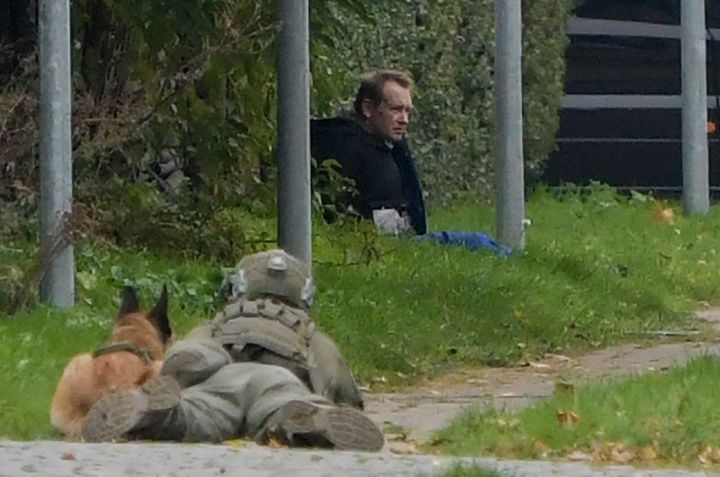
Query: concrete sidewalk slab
x,y
58,459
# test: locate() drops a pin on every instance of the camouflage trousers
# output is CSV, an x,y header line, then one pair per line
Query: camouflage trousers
x,y
220,399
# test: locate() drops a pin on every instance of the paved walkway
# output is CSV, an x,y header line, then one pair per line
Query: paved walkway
x,y
59,459
432,406
424,409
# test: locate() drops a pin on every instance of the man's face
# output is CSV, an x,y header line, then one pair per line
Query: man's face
x,y
389,118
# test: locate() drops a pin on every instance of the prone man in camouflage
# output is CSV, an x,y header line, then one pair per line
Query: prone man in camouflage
x,y
261,369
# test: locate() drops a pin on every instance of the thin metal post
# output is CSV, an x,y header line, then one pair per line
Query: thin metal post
x,y
696,185
509,169
293,150
56,251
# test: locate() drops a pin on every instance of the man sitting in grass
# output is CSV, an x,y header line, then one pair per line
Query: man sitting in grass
x,y
259,370
371,146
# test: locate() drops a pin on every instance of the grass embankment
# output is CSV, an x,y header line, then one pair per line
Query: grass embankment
x,y
668,418
599,269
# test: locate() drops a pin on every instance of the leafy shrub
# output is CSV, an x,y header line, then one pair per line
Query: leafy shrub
x,y
448,47
193,84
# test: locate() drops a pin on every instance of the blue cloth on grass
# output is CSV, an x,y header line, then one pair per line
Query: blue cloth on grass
x,y
470,240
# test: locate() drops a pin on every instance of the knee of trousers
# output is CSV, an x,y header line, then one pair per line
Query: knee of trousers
x,y
209,349
191,361
256,379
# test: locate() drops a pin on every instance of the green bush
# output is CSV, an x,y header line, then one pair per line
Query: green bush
x,y
193,84
448,47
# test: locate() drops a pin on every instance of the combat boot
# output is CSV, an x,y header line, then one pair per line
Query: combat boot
x,y
120,413
304,424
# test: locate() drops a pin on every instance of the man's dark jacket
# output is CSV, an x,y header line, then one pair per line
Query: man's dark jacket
x,y
385,175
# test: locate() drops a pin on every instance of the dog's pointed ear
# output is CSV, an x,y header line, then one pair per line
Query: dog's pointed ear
x,y
128,301
159,314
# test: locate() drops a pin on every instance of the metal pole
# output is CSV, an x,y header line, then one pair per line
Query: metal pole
x,y
696,185
509,170
56,251
294,221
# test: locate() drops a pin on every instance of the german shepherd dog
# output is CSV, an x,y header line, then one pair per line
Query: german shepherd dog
x,y
131,356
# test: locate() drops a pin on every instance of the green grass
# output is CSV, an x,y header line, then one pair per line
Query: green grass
x,y
599,269
460,470
668,418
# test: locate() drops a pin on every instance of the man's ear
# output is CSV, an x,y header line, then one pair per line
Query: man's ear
x,y
367,106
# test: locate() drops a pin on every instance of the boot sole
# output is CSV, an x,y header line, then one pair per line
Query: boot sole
x,y
115,415
343,428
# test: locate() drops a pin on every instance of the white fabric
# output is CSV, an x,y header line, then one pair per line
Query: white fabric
x,y
389,221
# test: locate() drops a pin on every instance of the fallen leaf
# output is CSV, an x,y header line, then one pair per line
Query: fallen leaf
x,y
709,455
566,418
541,448
509,423
614,452
236,443
539,365
622,456
68,456
578,456
404,448
664,214
275,443
521,316
648,453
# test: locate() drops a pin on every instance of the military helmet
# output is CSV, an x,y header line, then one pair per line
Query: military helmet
x,y
275,273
